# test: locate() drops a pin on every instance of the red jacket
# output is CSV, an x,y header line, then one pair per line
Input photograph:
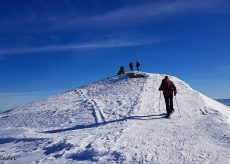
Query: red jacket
x,y
168,87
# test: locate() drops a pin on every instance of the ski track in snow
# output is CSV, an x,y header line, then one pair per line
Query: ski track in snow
x,y
118,120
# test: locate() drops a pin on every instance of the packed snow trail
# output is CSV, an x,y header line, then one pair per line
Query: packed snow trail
x,y
118,120
178,140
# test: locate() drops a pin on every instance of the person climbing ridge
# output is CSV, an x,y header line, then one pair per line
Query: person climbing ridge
x,y
168,88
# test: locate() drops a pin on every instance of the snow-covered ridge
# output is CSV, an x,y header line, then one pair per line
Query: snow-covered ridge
x,y
118,120
88,104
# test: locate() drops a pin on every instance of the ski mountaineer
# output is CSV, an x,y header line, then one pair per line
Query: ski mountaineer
x,y
131,66
137,65
168,88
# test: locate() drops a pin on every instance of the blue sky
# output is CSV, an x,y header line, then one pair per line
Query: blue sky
x,y
47,47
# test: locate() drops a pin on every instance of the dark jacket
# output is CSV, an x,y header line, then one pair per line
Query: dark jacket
x,y
168,87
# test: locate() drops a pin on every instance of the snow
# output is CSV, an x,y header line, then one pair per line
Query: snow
x,y
118,120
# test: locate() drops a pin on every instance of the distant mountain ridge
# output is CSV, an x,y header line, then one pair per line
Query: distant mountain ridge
x,y
224,101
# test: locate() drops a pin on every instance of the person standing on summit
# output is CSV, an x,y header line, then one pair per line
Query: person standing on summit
x,y
131,66
138,65
168,88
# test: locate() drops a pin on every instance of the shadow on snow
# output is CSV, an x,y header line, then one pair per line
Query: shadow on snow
x,y
77,127
16,140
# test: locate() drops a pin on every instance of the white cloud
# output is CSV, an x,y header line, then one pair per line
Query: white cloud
x,y
110,43
135,14
120,17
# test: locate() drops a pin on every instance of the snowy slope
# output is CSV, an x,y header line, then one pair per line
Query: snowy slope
x,y
118,120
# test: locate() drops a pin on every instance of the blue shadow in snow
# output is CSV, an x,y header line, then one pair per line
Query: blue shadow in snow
x,y
16,140
77,127
57,147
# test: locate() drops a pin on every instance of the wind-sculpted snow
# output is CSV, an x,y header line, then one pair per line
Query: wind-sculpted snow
x,y
97,102
118,120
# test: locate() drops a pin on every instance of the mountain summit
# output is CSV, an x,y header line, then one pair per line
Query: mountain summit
x,y
118,120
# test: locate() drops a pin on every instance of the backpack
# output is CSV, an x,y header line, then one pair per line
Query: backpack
x,y
167,87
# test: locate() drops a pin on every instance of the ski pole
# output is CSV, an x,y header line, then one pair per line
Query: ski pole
x,y
177,106
160,102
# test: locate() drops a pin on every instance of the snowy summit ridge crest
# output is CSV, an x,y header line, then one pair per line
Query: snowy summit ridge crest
x,y
118,119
